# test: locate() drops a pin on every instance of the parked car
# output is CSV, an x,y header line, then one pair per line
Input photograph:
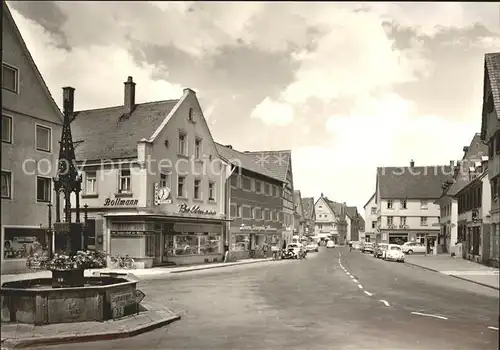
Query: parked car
x,y
379,249
367,247
413,247
394,253
357,245
312,247
330,244
296,250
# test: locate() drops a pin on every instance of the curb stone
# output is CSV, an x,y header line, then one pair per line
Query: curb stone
x,y
79,338
454,276
218,266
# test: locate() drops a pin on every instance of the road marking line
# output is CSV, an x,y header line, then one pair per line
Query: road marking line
x,y
360,286
355,280
385,302
494,328
368,293
429,315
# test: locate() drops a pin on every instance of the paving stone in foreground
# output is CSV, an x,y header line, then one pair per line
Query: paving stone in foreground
x,y
18,335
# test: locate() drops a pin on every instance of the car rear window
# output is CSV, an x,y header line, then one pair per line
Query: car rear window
x,y
395,248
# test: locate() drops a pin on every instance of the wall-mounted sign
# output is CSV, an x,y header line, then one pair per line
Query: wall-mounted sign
x,y
258,228
195,209
163,195
115,233
119,202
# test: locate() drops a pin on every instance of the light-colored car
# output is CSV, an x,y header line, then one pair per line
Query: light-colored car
x,y
330,244
394,253
312,247
413,247
367,247
356,245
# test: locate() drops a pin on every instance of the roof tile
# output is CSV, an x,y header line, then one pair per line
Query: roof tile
x,y
492,66
106,133
308,207
244,160
423,182
276,162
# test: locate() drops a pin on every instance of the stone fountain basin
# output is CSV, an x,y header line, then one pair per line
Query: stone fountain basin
x,y
103,297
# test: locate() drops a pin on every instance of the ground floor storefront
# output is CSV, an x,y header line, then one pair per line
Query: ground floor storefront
x,y
153,241
494,255
256,242
428,237
20,241
475,239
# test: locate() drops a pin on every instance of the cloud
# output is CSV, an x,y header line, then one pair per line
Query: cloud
x,y
95,71
385,130
273,113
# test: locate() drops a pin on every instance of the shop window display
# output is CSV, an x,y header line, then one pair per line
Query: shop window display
x,y
19,243
210,244
242,243
186,245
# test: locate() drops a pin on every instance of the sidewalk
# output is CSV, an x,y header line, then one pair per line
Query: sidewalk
x,y
155,271
458,268
18,335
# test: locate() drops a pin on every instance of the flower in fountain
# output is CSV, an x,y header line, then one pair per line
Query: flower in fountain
x,y
89,259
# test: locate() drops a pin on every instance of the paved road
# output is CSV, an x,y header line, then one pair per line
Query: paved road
x,y
316,304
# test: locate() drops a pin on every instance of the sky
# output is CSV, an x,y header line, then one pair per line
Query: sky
x,y
346,86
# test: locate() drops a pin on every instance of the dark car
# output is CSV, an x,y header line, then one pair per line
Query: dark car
x,y
379,249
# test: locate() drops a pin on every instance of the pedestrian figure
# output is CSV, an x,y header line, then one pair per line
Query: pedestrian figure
x,y
226,251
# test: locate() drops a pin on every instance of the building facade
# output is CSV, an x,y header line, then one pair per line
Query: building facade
x,y
330,220
309,215
279,163
31,129
449,240
474,202
255,205
405,203
490,134
371,218
299,220
152,179
353,222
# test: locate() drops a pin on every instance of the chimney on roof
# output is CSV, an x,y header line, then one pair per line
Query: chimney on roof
x,y
457,168
452,163
129,98
412,163
321,194
188,91
68,99
466,149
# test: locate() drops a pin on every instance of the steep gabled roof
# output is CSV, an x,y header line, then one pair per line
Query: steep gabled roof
x,y
244,160
492,67
308,207
10,19
475,180
334,206
373,195
476,150
423,182
297,199
352,212
277,162
105,133
361,222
